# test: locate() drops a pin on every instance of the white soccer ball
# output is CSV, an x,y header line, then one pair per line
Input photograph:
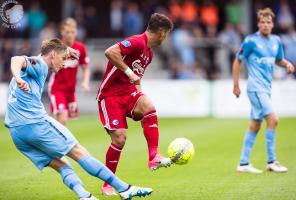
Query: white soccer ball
x,y
181,151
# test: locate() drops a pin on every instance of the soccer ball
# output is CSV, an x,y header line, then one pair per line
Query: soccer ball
x,y
181,151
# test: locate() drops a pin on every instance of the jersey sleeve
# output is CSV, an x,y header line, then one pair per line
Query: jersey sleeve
x,y
280,54
130,46
245,49
83,59
33,68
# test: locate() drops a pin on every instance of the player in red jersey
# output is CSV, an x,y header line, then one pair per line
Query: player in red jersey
x,y
120,94
62,84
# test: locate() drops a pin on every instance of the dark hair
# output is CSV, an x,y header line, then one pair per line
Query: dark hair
x,y
265,13
53,44
159,22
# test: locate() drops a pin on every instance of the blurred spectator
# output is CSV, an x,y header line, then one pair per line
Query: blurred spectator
x,y
175,11
285,17
22,29
25,49
151,7
132,20
48,32
212,45
81,31
200,52
230,41
36,20
289,41
91,21
182,42
209,14
189,12
77,8
233,11
116,17
7,51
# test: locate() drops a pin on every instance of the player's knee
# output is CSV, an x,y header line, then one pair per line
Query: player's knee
x,y
77,152
58,163
119,138
273,122
119,141
149,107
255,127
146,105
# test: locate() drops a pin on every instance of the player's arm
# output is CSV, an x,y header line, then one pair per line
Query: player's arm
x,y
85,77
83,62
243,53
281,61
113,54
17,64
235,76
286,64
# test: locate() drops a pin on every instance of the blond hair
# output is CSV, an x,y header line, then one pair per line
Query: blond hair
x,y
69,22
52,44
265,13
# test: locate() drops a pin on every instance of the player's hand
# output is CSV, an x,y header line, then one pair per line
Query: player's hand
x,y
72,53
236,91
134,79
22,84
85,86
290,68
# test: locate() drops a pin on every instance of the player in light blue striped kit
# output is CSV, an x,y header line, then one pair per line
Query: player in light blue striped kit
x,y
41,138
261,51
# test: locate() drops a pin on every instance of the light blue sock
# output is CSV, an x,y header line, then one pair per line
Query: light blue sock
x,y
248,144
270,145
71,180
98,169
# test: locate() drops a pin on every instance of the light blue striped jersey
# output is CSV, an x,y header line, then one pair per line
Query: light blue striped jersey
x,y
260,53
23,107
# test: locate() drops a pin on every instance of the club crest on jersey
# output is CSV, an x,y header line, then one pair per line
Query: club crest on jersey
x,y
137,67
126,43
115,122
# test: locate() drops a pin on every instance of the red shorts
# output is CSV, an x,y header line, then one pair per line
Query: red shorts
x,y
114,110
61,102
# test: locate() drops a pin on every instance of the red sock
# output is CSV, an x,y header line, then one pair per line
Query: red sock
x,y
112,158
150,127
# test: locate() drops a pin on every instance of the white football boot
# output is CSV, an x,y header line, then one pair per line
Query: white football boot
x,y
91,197
276,167
134,191
248,169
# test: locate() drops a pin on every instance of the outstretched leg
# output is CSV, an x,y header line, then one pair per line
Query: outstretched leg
x,y
70,178
99,170
145,108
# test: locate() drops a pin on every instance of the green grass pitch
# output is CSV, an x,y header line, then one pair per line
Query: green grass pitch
x,y
209,176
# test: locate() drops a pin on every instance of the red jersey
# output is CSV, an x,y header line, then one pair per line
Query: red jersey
x,y
65,79
137,55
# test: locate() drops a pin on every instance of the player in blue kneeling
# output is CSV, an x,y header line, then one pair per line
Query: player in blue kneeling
x,y
261,51
41,138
